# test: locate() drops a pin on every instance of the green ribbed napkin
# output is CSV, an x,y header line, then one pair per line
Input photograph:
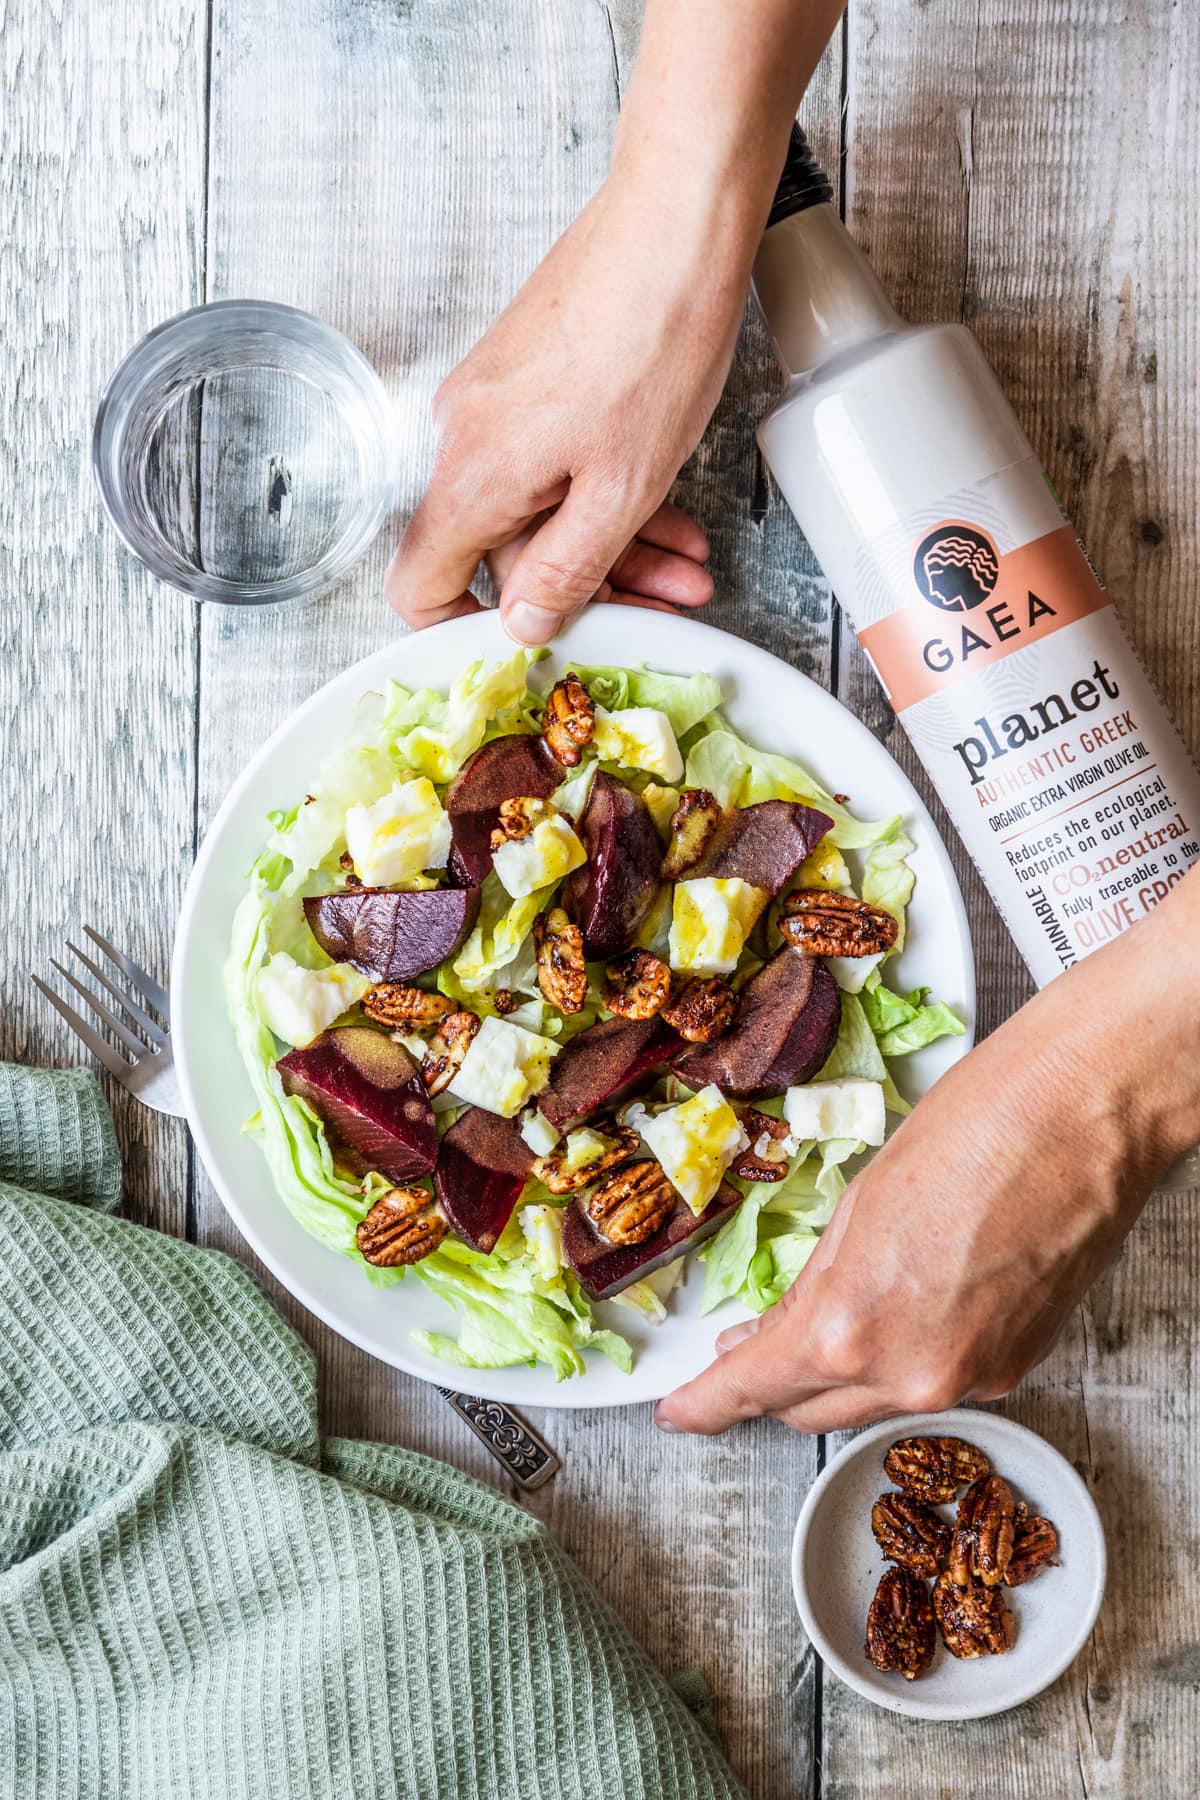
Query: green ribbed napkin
x,y
201,1597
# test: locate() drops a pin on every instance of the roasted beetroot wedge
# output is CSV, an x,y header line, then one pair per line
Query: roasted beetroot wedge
x,y
763,844
602,1064
482,1166
786,1025
369,1092
391,936
604,1269
609,897
508,766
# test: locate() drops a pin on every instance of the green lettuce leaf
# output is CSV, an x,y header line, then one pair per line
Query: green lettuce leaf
x,y
887,879
739,775
856,1051
901,1023
686,699
774,1266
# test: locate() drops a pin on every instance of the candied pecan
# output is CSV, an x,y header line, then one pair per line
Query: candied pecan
x,y
636,984
704,1010
932,1468
448,1050
826,923
401,1227
504,1002
405,1008
693,823
518,816
561,967
765,1160
983,1533
1035,1547
552,1172
570,719
974,1621
900,1634
910,1533
629,1205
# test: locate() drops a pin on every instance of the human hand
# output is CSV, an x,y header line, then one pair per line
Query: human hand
x,y
954,1260
561,433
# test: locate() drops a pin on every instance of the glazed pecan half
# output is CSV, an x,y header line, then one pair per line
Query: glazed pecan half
x,y
932,1468
405,1008
570,719
974,1621
629,1205
561,967
703,1010
402,1227
552,1171
983,1533
900,1634
518,816
1035,1547
911,1534
693,823
636,984
829,924
448,1050
765,1159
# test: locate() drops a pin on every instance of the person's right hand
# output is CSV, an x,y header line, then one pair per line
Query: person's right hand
x,y
561,433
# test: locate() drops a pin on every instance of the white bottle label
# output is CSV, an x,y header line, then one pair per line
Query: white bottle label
x,y
1002,654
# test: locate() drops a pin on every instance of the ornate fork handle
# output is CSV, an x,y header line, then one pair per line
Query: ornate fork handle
x,y
527,1458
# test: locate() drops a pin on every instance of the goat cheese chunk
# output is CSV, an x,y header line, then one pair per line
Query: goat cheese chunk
x,y
695,1142
850,1108
638,737
402,834
297,1004
540,858
505,1066
711,919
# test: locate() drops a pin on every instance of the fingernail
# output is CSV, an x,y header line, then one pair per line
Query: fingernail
x,y
736,1334
663,1423
528,624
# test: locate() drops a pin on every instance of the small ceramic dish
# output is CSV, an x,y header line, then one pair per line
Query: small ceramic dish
x,y
836,1565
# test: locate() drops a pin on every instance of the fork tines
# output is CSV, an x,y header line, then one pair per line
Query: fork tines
x,y
148,1046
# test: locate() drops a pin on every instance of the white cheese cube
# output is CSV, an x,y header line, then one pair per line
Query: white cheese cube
x,y
402,834
297,1003
850,972
638,737
695,1142
503,1068
537,1131
541,1227
540,858
710,922
851,1108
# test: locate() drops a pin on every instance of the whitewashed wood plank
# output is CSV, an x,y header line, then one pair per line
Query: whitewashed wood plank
x,y
1035,173
101,205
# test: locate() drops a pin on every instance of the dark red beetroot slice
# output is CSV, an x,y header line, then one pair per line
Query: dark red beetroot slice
x,y
604,1269
482,1166
786,1025
508,766
368,1091
763,844
609,897
391,936
603,1063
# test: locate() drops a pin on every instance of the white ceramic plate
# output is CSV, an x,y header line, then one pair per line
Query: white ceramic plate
x,y
775,708
836,1565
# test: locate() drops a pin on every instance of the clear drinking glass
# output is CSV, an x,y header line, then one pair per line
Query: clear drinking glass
x,y
243,450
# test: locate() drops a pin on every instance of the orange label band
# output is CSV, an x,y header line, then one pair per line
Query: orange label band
x,y
972,607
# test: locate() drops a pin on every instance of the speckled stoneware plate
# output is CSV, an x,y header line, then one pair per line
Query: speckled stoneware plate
x,y
836,1565
771,705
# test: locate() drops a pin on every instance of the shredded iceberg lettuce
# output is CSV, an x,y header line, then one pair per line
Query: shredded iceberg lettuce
x,y
739,775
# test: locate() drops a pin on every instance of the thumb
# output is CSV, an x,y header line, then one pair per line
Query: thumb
x,y
564,565
761,1372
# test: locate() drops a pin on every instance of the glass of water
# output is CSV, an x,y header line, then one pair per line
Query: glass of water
x,y
244,452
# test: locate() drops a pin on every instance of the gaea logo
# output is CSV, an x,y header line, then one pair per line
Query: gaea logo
x,y
956,568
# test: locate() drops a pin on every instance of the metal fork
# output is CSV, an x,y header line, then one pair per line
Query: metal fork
x,y
148,1072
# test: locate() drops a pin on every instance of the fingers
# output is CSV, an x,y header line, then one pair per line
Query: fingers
x,y
442,546
673,530
750,1378
838,1409
644,568
564,565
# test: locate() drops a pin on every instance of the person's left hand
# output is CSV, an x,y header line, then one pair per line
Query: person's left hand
x,y
954,1260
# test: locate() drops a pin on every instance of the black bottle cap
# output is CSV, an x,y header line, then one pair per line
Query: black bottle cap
x,y
803,182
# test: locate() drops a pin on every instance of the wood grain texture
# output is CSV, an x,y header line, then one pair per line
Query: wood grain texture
x,y
101,195
1033,171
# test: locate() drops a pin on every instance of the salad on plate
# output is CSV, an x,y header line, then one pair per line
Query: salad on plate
x,y
546,983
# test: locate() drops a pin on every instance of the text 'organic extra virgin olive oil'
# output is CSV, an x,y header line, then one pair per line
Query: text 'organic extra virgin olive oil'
x,y
995,642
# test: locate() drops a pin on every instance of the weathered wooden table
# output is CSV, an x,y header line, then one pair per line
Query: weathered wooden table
x,y
398,166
